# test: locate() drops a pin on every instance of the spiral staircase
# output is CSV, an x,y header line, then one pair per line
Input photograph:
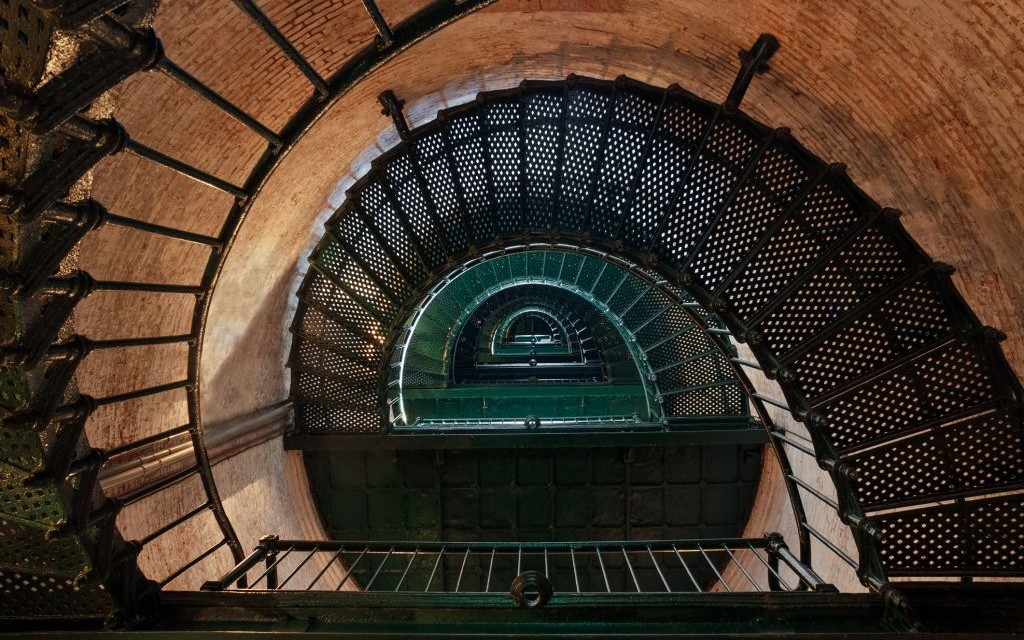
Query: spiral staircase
x,y
734,265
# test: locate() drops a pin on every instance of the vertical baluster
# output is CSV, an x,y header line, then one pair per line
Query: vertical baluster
x,y
405,573
657,568
462,570
632,572
299,566
742,568
686,567
604,574
711,564
351,568
433,572
490,570
327,565
380,567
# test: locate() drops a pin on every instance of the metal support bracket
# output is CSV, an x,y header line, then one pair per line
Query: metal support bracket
x,y
753,61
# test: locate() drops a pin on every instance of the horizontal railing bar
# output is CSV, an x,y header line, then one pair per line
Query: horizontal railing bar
x,y
170,232
256,14
701,387
156,487
202,556
146,287
772,401
512,548
148,440
746,363
828,543
814,492
184,169
191,82
612,435
139,393
174,523
799,446
139,342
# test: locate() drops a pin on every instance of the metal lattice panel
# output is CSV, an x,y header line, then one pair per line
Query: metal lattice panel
x,y
976,538
30,594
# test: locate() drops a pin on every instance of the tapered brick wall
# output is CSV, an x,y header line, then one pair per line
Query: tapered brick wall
x,y
921,99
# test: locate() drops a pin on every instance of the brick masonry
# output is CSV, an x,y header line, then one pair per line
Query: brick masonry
x,y
920,99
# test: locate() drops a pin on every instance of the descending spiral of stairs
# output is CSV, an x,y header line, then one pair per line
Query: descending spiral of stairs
x,y
907,398
715,236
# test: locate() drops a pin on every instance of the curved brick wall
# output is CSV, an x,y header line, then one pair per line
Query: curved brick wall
x,y
921,101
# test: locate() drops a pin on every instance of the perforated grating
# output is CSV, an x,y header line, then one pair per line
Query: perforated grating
x,y
29,594
834,287
971,456
977,538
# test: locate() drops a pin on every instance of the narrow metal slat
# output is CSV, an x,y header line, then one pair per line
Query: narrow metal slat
x,y
405,573
299,566
604,573
742,568
147,287
632,572
139,393
191,563
769,568
191,82
351,568
686,568
462,570
271,567
184,169
170,232
327,565
575,570
657,568
711,564
433,572
254,12
174,523
387,36
490,570
830,545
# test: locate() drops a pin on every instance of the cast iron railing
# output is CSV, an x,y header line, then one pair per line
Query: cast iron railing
x,y
531,572
883,508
